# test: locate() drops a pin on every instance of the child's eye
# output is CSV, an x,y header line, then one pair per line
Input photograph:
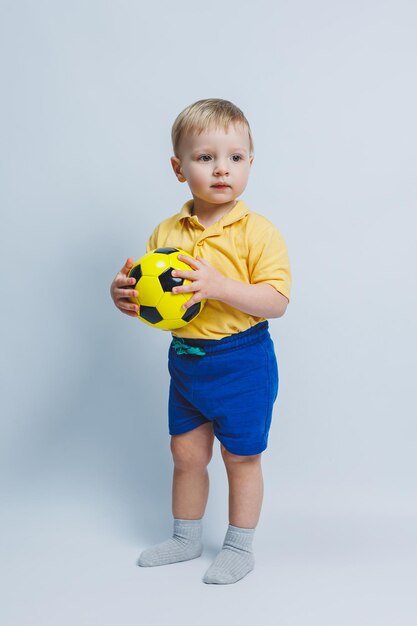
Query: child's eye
x,y
236,158
204,157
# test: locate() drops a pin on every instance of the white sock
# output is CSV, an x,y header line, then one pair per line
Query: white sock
x,y
185,544
235,559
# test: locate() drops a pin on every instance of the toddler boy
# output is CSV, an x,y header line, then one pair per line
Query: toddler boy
x,y
223,368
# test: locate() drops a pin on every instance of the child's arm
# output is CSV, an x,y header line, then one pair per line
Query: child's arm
x,y
259,300
121,293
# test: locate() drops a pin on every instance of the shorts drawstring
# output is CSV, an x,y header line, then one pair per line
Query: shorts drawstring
x,y
181,347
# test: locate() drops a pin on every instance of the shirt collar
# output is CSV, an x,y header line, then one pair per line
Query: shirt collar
x,y
237,213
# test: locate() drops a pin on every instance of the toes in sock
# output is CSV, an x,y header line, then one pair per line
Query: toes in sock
x,y
185,544
235,559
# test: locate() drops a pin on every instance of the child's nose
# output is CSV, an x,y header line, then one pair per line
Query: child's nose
x,y
221,167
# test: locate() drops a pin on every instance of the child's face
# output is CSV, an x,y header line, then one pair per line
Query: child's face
x,y
215,164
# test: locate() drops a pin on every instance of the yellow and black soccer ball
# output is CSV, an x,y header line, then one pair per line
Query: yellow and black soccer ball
x,y
158,306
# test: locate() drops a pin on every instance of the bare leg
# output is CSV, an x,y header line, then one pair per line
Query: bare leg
x,y
192,453
236,559
246,488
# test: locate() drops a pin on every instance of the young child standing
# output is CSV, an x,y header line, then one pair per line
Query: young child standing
x,y
224,375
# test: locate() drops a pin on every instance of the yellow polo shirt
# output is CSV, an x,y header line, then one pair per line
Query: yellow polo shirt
x,y
242,245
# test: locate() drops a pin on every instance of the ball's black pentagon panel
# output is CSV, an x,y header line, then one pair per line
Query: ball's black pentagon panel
x,y
168,281
192,312
135,272
150,314
166,250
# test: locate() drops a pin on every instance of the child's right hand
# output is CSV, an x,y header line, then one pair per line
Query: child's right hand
x,y
122,289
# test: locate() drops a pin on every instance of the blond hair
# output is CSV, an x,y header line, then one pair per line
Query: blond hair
x,y
199,116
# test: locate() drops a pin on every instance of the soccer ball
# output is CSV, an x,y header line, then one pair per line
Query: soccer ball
x,y
158,306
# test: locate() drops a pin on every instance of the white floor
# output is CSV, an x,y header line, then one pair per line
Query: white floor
x,y
67,561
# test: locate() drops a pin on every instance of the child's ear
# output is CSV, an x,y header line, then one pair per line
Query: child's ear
x,y
176,166
251,160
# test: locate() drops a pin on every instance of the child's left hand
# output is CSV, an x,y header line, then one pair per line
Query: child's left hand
x,y
207,282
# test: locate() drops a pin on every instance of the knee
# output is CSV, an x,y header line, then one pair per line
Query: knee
x,y
189,458
234,460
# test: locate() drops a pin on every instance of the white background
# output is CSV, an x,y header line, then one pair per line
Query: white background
x,y
90,90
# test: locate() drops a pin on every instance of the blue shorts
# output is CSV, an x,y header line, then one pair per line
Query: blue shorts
x,y
233,385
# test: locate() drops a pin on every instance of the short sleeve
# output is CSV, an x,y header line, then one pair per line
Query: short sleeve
x,y
268,261
152,241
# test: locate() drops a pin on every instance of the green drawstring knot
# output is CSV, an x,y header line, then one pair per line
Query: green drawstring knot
x,y
181,347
